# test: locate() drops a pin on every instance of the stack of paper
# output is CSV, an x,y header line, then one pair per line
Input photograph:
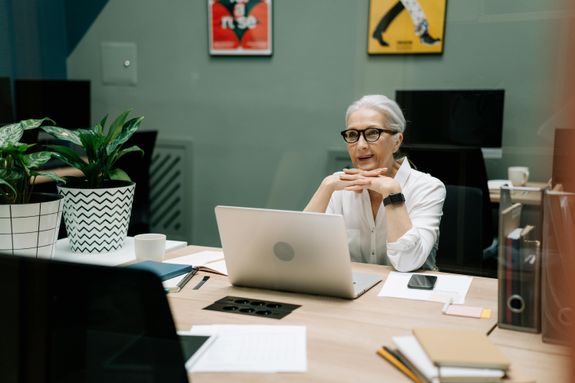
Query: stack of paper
x,y
448,355
252,348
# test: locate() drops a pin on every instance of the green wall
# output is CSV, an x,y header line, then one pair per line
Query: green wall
x,y
262,127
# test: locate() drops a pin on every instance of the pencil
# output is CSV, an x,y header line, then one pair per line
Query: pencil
x,y
397,364
184,280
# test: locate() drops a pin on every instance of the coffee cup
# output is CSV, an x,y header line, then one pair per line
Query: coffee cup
x,y
518,175
150,247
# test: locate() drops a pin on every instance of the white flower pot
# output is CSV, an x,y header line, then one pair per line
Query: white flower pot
x,y
97,219
31,229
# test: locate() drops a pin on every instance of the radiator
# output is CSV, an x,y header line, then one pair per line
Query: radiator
x,y
170,190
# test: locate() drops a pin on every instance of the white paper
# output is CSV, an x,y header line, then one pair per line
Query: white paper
x,y
126,254
447,288
173,282
209,259
253,348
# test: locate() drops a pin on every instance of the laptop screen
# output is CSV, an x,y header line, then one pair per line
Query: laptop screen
x,y
68,322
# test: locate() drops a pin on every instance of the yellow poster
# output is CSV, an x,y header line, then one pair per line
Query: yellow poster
x,y
406,26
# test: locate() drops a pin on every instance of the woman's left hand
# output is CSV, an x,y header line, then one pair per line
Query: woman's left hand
x,y
375,180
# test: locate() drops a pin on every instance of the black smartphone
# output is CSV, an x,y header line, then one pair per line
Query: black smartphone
x,y
422,282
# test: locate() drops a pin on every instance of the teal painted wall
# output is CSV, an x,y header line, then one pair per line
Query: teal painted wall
x,y
262,127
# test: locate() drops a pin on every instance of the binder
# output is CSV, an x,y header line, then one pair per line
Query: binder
x,y
519,301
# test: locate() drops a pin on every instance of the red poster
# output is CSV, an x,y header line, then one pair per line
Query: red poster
x,y
240,27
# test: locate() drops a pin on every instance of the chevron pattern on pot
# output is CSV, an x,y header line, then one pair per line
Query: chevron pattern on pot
x,y
97,219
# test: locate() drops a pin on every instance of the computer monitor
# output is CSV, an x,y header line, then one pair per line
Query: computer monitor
x,y
6,104
72,322
67,102
453,117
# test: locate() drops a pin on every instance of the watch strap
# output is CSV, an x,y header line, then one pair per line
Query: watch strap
x,y
394,198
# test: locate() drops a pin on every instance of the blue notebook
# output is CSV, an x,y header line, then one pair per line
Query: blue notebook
x,y
163,270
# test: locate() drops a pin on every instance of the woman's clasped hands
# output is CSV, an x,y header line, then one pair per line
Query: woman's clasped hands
x,y
358,180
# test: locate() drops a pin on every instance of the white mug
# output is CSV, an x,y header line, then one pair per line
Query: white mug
x,y
151,246
518,175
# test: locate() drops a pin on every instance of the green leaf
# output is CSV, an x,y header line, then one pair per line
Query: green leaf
x,y
62,134
127,131
7,192
67,155
34,123
10,134
37,159
131,149
116,127
119,174
99,128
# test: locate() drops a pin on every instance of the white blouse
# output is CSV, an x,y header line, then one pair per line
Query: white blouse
x,y
424,196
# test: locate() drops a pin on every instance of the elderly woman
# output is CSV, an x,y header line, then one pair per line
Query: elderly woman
x,y
391,211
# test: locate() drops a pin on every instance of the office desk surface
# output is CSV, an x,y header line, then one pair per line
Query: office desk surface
x,y
524,197
343,335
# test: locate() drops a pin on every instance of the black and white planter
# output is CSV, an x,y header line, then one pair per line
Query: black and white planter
x,y
97,219
31,229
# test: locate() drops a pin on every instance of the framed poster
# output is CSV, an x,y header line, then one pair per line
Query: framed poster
x,y
406,26
240,27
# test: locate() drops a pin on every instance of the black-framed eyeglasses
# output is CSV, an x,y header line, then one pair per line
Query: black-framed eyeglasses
x,y
370,134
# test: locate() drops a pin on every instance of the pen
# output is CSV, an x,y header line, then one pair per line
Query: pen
x,y
184,280
200,283
385,354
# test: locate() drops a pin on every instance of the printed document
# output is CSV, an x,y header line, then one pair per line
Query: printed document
x,y
252,348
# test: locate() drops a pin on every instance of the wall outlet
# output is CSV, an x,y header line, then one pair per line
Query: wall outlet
x,y
119,63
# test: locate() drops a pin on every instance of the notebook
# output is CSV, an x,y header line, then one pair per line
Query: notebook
x,y
163,270
460,348
421,365
290,251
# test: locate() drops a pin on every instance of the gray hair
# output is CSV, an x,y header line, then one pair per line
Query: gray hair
x,y
386,106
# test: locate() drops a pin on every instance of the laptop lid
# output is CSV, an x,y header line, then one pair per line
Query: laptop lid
x,y
286,250
71,322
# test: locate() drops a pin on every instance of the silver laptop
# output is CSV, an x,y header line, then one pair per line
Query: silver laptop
x,y
290,251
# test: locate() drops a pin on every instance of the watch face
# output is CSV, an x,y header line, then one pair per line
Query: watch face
x,y
393,198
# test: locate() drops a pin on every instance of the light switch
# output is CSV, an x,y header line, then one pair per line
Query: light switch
x,y
119,63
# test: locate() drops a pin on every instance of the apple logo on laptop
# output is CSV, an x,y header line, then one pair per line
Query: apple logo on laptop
x,y
283,251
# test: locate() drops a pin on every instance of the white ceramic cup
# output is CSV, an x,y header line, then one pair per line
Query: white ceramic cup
x,y
151,246
518,175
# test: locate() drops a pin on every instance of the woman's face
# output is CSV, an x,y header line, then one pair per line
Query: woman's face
x,y
372,155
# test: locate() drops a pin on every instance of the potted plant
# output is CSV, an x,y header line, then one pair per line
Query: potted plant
x,y
29,222
97,206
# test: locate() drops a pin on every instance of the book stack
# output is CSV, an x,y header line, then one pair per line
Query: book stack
x,y
447,355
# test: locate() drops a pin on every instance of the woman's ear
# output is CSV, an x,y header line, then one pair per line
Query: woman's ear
x,y
397,142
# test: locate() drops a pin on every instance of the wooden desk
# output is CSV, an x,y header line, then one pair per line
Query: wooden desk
x,y
531,359
522,196
343,335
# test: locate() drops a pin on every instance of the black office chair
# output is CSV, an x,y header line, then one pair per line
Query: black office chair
x,y
461,243
73,322
138,168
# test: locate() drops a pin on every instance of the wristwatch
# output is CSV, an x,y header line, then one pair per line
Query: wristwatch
x,y
394,198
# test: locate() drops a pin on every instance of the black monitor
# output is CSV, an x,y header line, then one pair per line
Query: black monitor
x,y
67,102
6,105
453,117
71,322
